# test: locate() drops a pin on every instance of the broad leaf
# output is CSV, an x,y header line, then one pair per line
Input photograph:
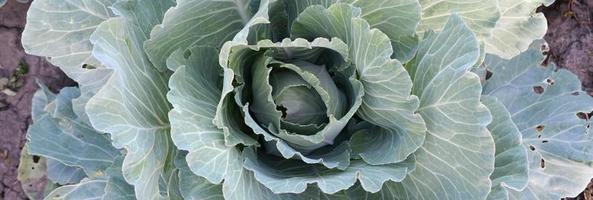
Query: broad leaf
x,y
545,103
510,166
202,23
398,19
116,187
196,89
58,134
518,26
457,157
292,176
132,105
63,174
87,189
192,186
480,15
60,30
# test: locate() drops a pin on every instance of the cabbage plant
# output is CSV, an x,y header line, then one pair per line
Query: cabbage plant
x,y
312,99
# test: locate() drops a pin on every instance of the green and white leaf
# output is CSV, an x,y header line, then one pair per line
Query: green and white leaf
x,y
87,189
132,105
201,23
57,134
543,102
241,55
398,19
518,26
387,101
457,157
196,89
60,30
292,176
480,15
510,166
192,186
63,174
116,187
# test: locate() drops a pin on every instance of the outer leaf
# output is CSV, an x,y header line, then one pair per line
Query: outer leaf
x,y
203,23
61,137
132,105
89,84
292,176
544,101
63,174
242,185
396,18
208,155
387,101
295,7
195,187
518,26
32,173
195,93
60,29
457,157
42,97
87,189
116,187
480,15
510,167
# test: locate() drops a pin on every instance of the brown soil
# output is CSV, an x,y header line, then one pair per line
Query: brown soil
x,y
570,37
21,70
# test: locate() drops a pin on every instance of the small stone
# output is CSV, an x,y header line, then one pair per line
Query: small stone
x,y
3,153
3,82
9,92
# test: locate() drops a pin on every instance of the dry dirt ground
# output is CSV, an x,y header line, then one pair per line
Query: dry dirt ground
x,y
570,37
20,71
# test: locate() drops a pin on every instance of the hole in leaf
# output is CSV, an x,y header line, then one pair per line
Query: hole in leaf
x,y
282,109
545,141
550,81
36,159
539,128
585,116
488,74
542,163
186,54
538,89
531,147
544,48
87,66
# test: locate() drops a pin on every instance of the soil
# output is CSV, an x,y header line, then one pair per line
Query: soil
x,y
570,38
21,71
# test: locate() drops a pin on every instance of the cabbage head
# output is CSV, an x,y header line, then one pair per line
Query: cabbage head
x,y
310,99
